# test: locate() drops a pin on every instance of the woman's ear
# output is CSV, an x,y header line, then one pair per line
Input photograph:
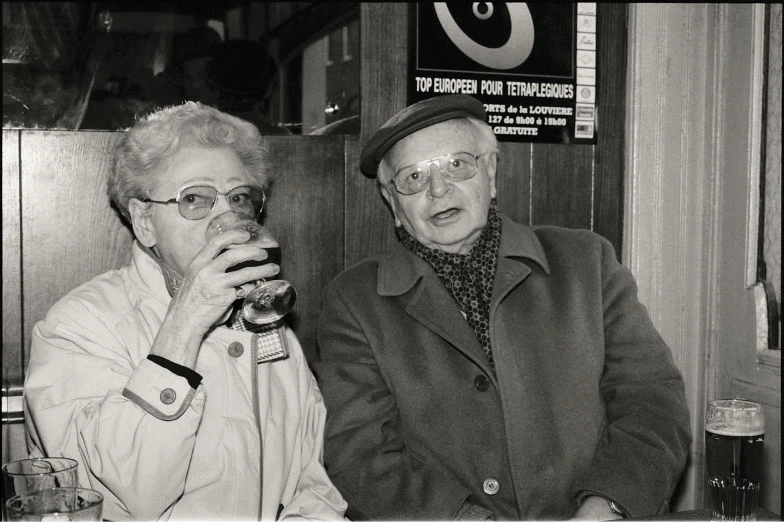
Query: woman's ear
x,y
141,219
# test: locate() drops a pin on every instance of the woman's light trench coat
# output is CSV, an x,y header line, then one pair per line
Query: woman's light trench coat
x,y
154,446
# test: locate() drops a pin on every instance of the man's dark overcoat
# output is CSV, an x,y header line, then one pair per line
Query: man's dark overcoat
x,y
585,396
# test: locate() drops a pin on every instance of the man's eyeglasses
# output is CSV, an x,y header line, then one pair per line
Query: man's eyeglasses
x,y
415,178
196,202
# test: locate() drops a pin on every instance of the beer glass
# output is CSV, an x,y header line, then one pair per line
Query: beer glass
x,y
28,475
56,504
270,300
734,433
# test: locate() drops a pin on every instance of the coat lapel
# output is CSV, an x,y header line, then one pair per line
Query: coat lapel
x,y
430,302
432,305
436,309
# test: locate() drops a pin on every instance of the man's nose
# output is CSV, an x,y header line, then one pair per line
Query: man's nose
x,y
439,184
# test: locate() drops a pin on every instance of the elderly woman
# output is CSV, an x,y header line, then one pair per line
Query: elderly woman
x,y
487,369
139,375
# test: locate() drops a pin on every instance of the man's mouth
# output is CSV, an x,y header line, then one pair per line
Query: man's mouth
x,y
445,214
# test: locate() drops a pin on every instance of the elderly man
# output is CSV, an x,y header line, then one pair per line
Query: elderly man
x,y
484,369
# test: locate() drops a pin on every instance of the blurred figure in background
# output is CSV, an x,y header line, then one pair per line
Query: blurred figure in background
x,y
185,77
241,72
192,52
135,90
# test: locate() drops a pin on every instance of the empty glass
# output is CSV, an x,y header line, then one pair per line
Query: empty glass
x,y
25,476
56,504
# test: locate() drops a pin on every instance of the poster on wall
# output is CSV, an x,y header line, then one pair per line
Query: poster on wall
x,y
532,65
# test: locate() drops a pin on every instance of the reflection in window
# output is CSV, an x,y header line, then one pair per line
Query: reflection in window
x,y
90,65
331,66
51,51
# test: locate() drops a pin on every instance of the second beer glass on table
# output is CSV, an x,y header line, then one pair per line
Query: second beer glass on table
x,y
734,434
270,300
59,503
29,475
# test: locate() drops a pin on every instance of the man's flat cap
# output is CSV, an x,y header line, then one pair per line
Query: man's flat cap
x,y
413,118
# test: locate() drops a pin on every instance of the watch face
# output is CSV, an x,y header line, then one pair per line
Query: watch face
x,y
616,509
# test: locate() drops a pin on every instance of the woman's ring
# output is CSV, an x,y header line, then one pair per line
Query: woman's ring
x,y
240,292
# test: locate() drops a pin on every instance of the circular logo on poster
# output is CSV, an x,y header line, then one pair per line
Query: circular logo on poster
x,y
514,39
500,39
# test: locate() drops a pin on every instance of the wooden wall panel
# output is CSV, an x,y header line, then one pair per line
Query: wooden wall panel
x,y
368,219
384,37
70,233
513,181
14,444
561,188
611,103
305,213
13,333
384,52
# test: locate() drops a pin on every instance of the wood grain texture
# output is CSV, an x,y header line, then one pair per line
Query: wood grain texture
x,y
384,37
368,220
611,106
70,233
561,185
13,336
513,181
384,48
305,213
14,445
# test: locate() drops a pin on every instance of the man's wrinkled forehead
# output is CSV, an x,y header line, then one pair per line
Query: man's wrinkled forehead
x,y
414,118
446,137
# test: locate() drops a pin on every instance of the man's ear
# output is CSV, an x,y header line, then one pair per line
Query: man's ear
x,y
143,227
491,163
390,199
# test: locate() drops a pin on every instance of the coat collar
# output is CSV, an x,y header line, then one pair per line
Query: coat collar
x,y
148,273
401,269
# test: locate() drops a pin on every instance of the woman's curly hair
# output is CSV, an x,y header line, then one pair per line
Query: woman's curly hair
x,y
143,153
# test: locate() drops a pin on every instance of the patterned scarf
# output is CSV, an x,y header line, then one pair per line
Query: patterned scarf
x,y
469,278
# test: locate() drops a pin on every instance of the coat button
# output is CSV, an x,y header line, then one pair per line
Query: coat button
x,y
236,349
168,395
481,383
491,486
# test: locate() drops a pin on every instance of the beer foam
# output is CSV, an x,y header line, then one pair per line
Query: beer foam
x,y
728,430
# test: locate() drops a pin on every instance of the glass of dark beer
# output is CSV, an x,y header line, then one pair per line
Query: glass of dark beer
x,y
270,300
734,434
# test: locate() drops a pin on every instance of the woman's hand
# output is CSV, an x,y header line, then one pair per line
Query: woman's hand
x,y
205,293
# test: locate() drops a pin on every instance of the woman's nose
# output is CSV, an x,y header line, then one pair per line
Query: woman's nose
x,y
221,204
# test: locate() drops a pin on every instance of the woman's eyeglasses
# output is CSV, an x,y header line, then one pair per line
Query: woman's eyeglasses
x,y
197,202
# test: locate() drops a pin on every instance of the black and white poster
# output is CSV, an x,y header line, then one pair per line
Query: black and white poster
x,y
532,65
